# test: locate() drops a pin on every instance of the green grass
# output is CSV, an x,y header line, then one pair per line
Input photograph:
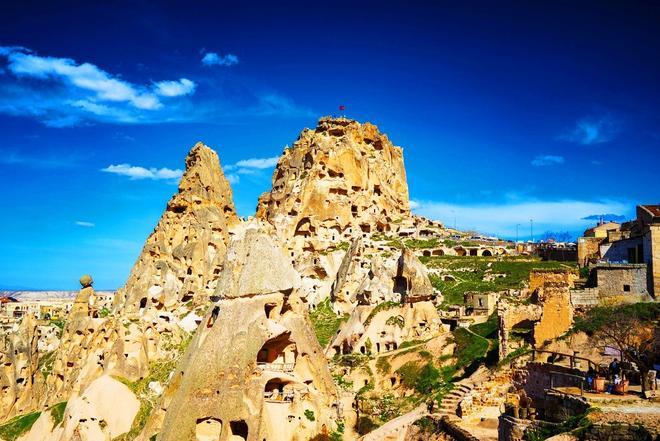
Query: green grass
x,y
18,426
380,307
418,244
57,413
325,322
469,273
46,363
469,347
486,329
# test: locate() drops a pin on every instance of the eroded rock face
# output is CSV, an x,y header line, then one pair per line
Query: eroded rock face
x,y
339,182
172,281
339,179
20,378
254,369
182,258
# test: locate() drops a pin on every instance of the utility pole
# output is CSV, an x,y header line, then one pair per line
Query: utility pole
x,y
531,229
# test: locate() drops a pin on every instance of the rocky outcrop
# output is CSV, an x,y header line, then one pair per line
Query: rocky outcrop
x,y
254,369
181,260
21,381
168,290
339,180
412,279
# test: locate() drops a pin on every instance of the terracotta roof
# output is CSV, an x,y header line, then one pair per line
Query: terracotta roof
x,y
653,209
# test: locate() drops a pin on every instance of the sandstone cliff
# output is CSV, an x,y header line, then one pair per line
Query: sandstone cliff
x,y
183,256
340,180
254,369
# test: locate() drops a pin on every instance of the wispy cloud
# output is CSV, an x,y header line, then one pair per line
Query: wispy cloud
x,y
85,224
62,92
137,172
213,59
501,219
233,178
258,163
592,130
252,166
175,88
15,157
544,160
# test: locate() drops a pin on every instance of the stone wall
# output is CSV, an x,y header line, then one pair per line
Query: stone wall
x,y
538,278
584,297
620,250
587,247
513,429
557,312
628,281
619,432
652,253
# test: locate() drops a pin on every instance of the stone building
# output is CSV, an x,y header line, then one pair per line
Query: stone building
x,y
634,242
626,281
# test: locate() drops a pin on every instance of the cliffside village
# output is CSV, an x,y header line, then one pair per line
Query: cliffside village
x,y
335,313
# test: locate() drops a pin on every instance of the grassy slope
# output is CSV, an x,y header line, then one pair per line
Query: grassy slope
x,y
325,322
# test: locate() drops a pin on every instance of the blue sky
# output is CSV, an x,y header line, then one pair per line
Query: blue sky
x,y
506,112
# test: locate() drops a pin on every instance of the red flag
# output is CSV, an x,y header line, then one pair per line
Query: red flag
x,y
342,108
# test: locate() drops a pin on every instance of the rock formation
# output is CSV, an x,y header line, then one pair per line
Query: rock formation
x,y
254,369
341,181
20,378
337,180
172,281
181,260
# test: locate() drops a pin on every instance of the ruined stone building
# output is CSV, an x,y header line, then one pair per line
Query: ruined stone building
x,y
626,256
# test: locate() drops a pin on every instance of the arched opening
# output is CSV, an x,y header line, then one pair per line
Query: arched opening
x,y
278,354
473,252
278,389
438,253
426,253
239,428
400,285
486,253
304,227
208,429
143,302
460,251
345,348
268,309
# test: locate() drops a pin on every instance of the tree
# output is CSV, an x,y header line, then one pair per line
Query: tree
x,y
632,329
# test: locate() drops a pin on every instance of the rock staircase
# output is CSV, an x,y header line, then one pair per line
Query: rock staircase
x,y
450,402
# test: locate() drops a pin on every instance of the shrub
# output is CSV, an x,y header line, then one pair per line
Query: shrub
x,y
309,414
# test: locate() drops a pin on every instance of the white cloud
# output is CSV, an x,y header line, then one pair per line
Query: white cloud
x,y
175,88
136,172
233,178
258,163
501,219
84,76
213,59
62,92
85,224
592,130
543,160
